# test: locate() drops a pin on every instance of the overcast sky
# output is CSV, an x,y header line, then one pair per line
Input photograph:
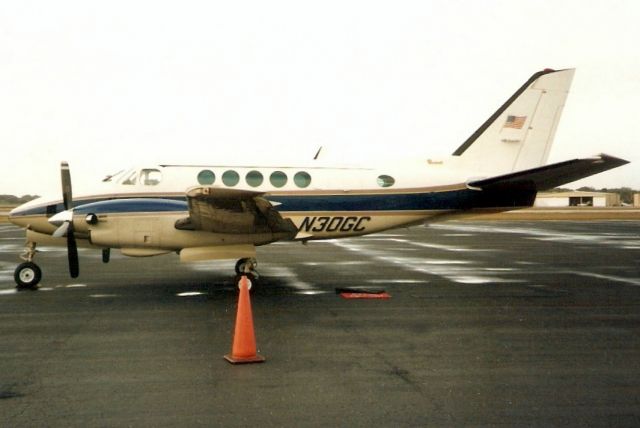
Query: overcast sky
x,y
107,85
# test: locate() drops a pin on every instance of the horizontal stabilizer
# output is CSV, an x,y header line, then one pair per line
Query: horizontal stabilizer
x,y
550,176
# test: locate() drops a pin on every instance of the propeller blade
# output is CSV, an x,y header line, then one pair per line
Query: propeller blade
x,y
72,252
67,217
62,230
67,194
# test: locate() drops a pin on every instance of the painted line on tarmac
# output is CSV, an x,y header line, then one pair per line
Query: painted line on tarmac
x,y
292,279
459,271
630,281
618,240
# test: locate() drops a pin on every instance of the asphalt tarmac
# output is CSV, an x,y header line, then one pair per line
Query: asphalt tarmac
x,y
489,323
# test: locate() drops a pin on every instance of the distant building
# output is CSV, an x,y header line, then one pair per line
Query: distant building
x,y
636,200
577,199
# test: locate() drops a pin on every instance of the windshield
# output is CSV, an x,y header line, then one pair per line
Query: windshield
x,y
145,176
110,177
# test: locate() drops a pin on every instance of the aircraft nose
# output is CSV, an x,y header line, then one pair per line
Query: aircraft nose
x,y
15,216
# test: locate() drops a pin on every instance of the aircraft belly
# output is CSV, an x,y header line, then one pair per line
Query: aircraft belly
x,y
194,254
178,239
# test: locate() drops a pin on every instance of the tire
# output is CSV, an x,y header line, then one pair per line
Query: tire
x,y
252,275
240,266
27,276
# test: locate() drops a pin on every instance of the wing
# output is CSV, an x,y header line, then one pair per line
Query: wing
x,y
549,176
233,211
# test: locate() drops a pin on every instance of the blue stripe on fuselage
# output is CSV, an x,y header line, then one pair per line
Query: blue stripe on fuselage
x,y
51,209
133,205
449,200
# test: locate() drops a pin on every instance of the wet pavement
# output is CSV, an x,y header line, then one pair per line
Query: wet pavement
x,y
489,323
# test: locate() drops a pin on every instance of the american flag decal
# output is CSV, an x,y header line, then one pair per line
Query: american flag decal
x,y
515,122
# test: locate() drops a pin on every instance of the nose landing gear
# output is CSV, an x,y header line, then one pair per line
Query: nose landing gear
x,y
27,275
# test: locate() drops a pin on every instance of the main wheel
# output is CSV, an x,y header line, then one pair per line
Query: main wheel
x,y
240,266
27,276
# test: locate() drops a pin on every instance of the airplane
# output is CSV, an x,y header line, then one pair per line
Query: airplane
x,y
206,212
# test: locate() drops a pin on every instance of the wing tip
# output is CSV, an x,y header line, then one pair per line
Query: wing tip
x,y
612,160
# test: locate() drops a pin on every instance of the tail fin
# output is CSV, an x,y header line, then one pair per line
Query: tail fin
x,y
519,134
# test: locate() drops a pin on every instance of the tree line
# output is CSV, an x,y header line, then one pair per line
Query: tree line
x,y
15,200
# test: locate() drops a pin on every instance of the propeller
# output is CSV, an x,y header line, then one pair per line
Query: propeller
x,y
64,221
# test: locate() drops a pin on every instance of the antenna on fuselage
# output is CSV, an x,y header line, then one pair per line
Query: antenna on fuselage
x,y
317,154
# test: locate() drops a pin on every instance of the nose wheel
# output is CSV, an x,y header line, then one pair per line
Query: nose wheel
x,y
27,276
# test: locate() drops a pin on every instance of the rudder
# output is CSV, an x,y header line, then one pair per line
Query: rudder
x,y
520,133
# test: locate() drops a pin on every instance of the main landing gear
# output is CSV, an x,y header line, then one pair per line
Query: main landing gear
x,y
247,266
28,274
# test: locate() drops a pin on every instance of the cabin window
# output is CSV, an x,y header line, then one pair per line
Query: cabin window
x,y
150,177
51,210
230,178
278,178
302,179
206,177
386,181
254,178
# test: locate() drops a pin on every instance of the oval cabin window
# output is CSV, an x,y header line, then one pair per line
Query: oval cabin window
x,y
230,178
278,179
386,181
302,179
254,178
206,177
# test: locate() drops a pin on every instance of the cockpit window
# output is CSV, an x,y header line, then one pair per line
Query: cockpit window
x,y
147,177
150,177
131,179
110,177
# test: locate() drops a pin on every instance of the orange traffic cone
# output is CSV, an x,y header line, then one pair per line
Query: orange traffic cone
x,y
244,339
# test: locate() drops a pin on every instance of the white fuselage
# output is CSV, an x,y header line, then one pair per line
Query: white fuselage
x,y
322,201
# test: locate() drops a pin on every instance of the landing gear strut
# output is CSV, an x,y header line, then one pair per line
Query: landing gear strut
x,y
106,255
27,275
247,266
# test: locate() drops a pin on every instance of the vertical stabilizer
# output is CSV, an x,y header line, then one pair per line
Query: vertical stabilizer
x,y
519,134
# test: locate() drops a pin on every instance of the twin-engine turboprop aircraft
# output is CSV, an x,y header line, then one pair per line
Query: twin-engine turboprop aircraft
x,y
224,212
